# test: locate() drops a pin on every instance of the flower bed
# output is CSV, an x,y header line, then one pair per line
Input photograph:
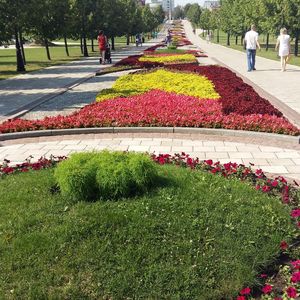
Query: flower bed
x,y
180,83
155,108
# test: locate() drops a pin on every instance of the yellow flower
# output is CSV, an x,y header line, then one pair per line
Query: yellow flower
x,y
176,82
169,58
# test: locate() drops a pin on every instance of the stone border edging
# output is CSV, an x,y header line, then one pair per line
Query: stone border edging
x,y
181,130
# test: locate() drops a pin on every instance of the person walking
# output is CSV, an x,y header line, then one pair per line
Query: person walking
x,y
284,43
102,40
251,42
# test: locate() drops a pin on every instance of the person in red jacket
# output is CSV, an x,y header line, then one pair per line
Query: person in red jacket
x,y
102,40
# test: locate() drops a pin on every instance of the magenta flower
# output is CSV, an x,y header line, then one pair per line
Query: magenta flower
x,y
295,277
291,292
295,213
267,289
241,298
245,291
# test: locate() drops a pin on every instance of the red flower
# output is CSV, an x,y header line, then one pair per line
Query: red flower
x,y
241,298
245,291
267,289
295,213
209,162
284,245
291,292
275,183
295,277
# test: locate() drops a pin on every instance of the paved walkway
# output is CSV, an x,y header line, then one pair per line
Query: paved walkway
x,y
271,158
19,93
284,86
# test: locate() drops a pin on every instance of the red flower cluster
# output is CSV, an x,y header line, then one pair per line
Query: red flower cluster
x,y
236,96
154,108
42,163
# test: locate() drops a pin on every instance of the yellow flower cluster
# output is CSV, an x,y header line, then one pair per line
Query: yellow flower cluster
x,y
169,58
180,83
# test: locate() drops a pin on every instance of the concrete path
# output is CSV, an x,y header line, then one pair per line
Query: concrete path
x,y
266,155
19,93
284,86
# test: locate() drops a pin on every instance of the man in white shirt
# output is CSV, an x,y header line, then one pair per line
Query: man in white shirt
x,y
251,41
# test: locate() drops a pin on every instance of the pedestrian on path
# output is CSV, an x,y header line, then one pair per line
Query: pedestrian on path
x,y
251,42
102,41
284,43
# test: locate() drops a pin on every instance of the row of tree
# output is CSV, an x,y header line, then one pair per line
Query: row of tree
x,y
235,17
47,20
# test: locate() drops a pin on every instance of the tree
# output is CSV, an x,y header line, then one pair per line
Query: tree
x,y
159,15
193,13
178,12
205,20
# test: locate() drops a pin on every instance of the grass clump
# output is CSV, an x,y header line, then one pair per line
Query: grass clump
x,y
197,236
89,176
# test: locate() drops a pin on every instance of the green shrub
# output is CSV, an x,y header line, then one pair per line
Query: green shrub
x,y
76,177
87,176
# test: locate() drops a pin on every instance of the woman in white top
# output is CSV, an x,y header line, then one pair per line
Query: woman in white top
x,y
283,41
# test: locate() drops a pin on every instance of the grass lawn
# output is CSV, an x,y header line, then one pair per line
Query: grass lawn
x,y
194,236
270,54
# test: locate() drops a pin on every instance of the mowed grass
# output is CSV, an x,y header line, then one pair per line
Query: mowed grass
x,y
195,236
270,54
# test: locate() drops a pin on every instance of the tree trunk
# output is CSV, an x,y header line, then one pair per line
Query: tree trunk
x,y
236,39
22,47
66,45
85,49
81,45
47,49
267,42
113,43
228,39
20,62
242,39
296,43
218,36
92,45
127,39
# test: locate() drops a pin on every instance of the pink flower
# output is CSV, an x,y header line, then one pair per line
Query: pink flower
x,y
291,292
278,298
295,277
241,298
266,189
296,264
295,213
267,289
275,183
284,245
245,291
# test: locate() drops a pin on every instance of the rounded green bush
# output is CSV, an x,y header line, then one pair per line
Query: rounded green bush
x,y
105,175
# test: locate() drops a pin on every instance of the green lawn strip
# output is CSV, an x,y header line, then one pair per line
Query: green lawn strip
x,y
270,54
196,236
36,58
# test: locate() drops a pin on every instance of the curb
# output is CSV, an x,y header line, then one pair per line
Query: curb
x,y
179,130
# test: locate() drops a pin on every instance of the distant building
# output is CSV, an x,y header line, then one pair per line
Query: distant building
x,y
211,4
167,5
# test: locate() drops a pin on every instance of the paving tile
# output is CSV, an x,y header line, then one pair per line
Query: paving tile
x,y
204,149
274,169
270,149
160,149
131,142
172,143
296,161
69,142
58,152
227,160
73,147
263,154
295,176
293,169
248,148
200,155
186,149
192,143
240,155
226,149
281,162
255,161
111,141
150,143
291,154
213,143
216,155
139,148
118,147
